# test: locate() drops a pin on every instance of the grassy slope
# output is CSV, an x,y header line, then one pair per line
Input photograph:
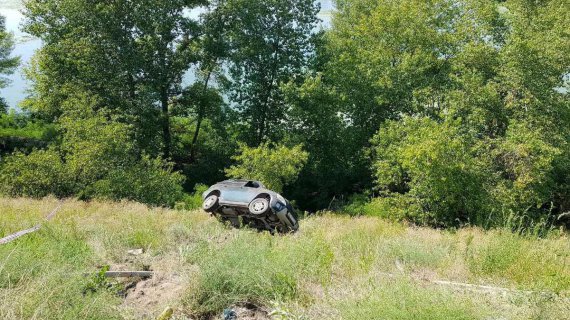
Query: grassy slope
x,y
334,268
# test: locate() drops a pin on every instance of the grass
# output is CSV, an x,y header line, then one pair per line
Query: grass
x,y
336,267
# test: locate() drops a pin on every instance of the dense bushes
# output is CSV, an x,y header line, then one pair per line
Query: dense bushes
x,y
96,158
38,174
432,173
150,181
431,167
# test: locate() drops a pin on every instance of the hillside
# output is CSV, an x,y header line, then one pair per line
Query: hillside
x,y
336,267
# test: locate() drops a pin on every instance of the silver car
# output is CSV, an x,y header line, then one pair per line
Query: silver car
x,y
248,202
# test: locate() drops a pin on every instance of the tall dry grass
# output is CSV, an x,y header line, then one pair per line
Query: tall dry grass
x,y
336,266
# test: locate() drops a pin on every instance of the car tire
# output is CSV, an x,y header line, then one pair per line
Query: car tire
x,y
211,203
259,206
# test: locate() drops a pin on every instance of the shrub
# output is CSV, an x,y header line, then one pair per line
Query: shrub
x,y
38,174
433,173
274,165
194,200
431,167
525,159
96,159
150,181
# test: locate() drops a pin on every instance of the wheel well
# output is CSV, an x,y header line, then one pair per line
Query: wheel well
x,y
263,195
216,192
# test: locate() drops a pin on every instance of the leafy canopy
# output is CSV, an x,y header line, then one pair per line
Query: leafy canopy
x,y
274,165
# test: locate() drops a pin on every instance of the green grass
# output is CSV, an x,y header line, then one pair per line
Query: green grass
x,y
336,267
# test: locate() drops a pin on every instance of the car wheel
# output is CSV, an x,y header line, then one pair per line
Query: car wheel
x,y
211,203
259,206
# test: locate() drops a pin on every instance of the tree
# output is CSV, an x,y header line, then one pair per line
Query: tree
x,y
274,165
202,97
389,58
334,167
132,54
269,43
7,63
499,138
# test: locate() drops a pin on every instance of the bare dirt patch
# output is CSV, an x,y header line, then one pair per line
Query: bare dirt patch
x,y
147,298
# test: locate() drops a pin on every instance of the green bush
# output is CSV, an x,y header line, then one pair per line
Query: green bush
x,y
526,159
37,175
194,200
428,172
150,181
435,173
274,165
96,159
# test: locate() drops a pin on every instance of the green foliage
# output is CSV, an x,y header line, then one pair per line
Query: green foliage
x,y
96,159
21,126
150,181
37,175
99,282
449,112
274,165
131,55
428,165
23,132
7,63
268,43
193,201
336,163
431,173
397,64
526,158
470,112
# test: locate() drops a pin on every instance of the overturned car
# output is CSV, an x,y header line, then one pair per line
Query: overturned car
x,y
248,202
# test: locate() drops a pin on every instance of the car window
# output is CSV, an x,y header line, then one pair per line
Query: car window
x,y
252,184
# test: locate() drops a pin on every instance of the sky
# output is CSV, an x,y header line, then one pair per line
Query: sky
x,y
25,46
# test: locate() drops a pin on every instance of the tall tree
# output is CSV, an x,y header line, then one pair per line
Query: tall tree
x,y
132,54
390,58
269,43
7,63
203,97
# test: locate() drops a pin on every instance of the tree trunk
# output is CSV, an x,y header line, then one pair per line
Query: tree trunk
x,y
167,138
263,126
201,112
